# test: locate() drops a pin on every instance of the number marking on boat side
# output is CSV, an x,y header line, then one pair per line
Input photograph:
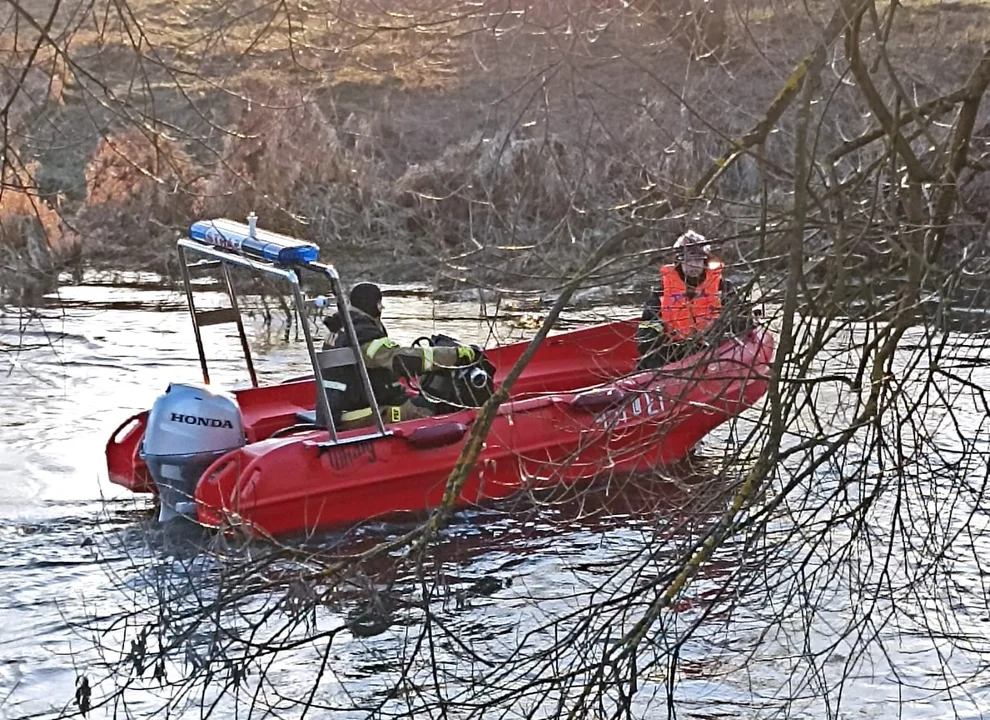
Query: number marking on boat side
x,y
647,404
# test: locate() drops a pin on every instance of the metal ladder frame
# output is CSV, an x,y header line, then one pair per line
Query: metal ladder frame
x,y
204,318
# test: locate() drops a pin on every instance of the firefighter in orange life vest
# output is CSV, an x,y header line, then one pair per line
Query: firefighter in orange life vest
x,y
687,305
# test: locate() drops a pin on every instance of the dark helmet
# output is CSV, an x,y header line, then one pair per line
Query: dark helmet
x,y
691,244
366,297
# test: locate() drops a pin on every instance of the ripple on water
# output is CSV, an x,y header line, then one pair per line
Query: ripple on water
x,y
77,547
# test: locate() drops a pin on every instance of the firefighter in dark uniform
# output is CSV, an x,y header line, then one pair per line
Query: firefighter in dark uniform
x,y
386,361
684,312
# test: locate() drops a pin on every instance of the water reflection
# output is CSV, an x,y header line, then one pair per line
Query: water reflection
x,y
495,574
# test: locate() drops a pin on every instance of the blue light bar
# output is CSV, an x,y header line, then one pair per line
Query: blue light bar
x,y
247,240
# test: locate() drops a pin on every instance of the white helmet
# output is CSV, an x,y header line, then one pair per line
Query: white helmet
x,y
692,243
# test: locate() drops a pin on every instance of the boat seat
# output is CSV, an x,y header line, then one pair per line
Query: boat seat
x,y
334,357
306,416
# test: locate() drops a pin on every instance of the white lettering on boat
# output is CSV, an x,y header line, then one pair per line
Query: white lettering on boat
x,y
201,421
645,405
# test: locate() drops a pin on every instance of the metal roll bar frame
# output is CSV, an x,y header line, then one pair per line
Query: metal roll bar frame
x,y
223,259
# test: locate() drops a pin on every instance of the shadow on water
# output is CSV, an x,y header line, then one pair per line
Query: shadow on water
x,y
170,574
481,548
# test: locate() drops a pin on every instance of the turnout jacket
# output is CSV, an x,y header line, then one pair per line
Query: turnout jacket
x,y
386,361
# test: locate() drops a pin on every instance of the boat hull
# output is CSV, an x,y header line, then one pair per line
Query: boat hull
x,y
566,361
301,483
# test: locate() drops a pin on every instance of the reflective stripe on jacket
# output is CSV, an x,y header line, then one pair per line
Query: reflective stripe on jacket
x,y
348,393
684,316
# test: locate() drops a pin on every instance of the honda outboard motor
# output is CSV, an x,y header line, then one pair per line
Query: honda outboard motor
x,y
189,427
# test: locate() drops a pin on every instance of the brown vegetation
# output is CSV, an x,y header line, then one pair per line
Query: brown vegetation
x,y
140,193
455,141
33,236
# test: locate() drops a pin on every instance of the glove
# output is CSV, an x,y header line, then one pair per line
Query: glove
x,y
466,355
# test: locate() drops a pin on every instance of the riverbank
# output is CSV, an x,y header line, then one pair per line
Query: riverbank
x,y
455,146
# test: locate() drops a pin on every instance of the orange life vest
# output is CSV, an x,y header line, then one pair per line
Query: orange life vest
x,y
685,316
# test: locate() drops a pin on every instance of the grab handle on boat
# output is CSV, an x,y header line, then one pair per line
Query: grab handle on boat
x,y
115,436
224,473
433,436
214,472
596,401
124,464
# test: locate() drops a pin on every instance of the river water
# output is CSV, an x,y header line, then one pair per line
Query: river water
x,y
79,550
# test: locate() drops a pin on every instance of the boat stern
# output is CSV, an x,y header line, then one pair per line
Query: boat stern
x,y
188,429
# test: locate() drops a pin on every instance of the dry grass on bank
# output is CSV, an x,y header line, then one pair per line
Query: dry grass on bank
x,y
479,141
34,240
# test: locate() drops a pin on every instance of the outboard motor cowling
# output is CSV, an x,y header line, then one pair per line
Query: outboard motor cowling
x,y
189,427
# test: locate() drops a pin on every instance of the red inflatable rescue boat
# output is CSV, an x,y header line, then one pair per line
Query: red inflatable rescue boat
x,y
255,457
